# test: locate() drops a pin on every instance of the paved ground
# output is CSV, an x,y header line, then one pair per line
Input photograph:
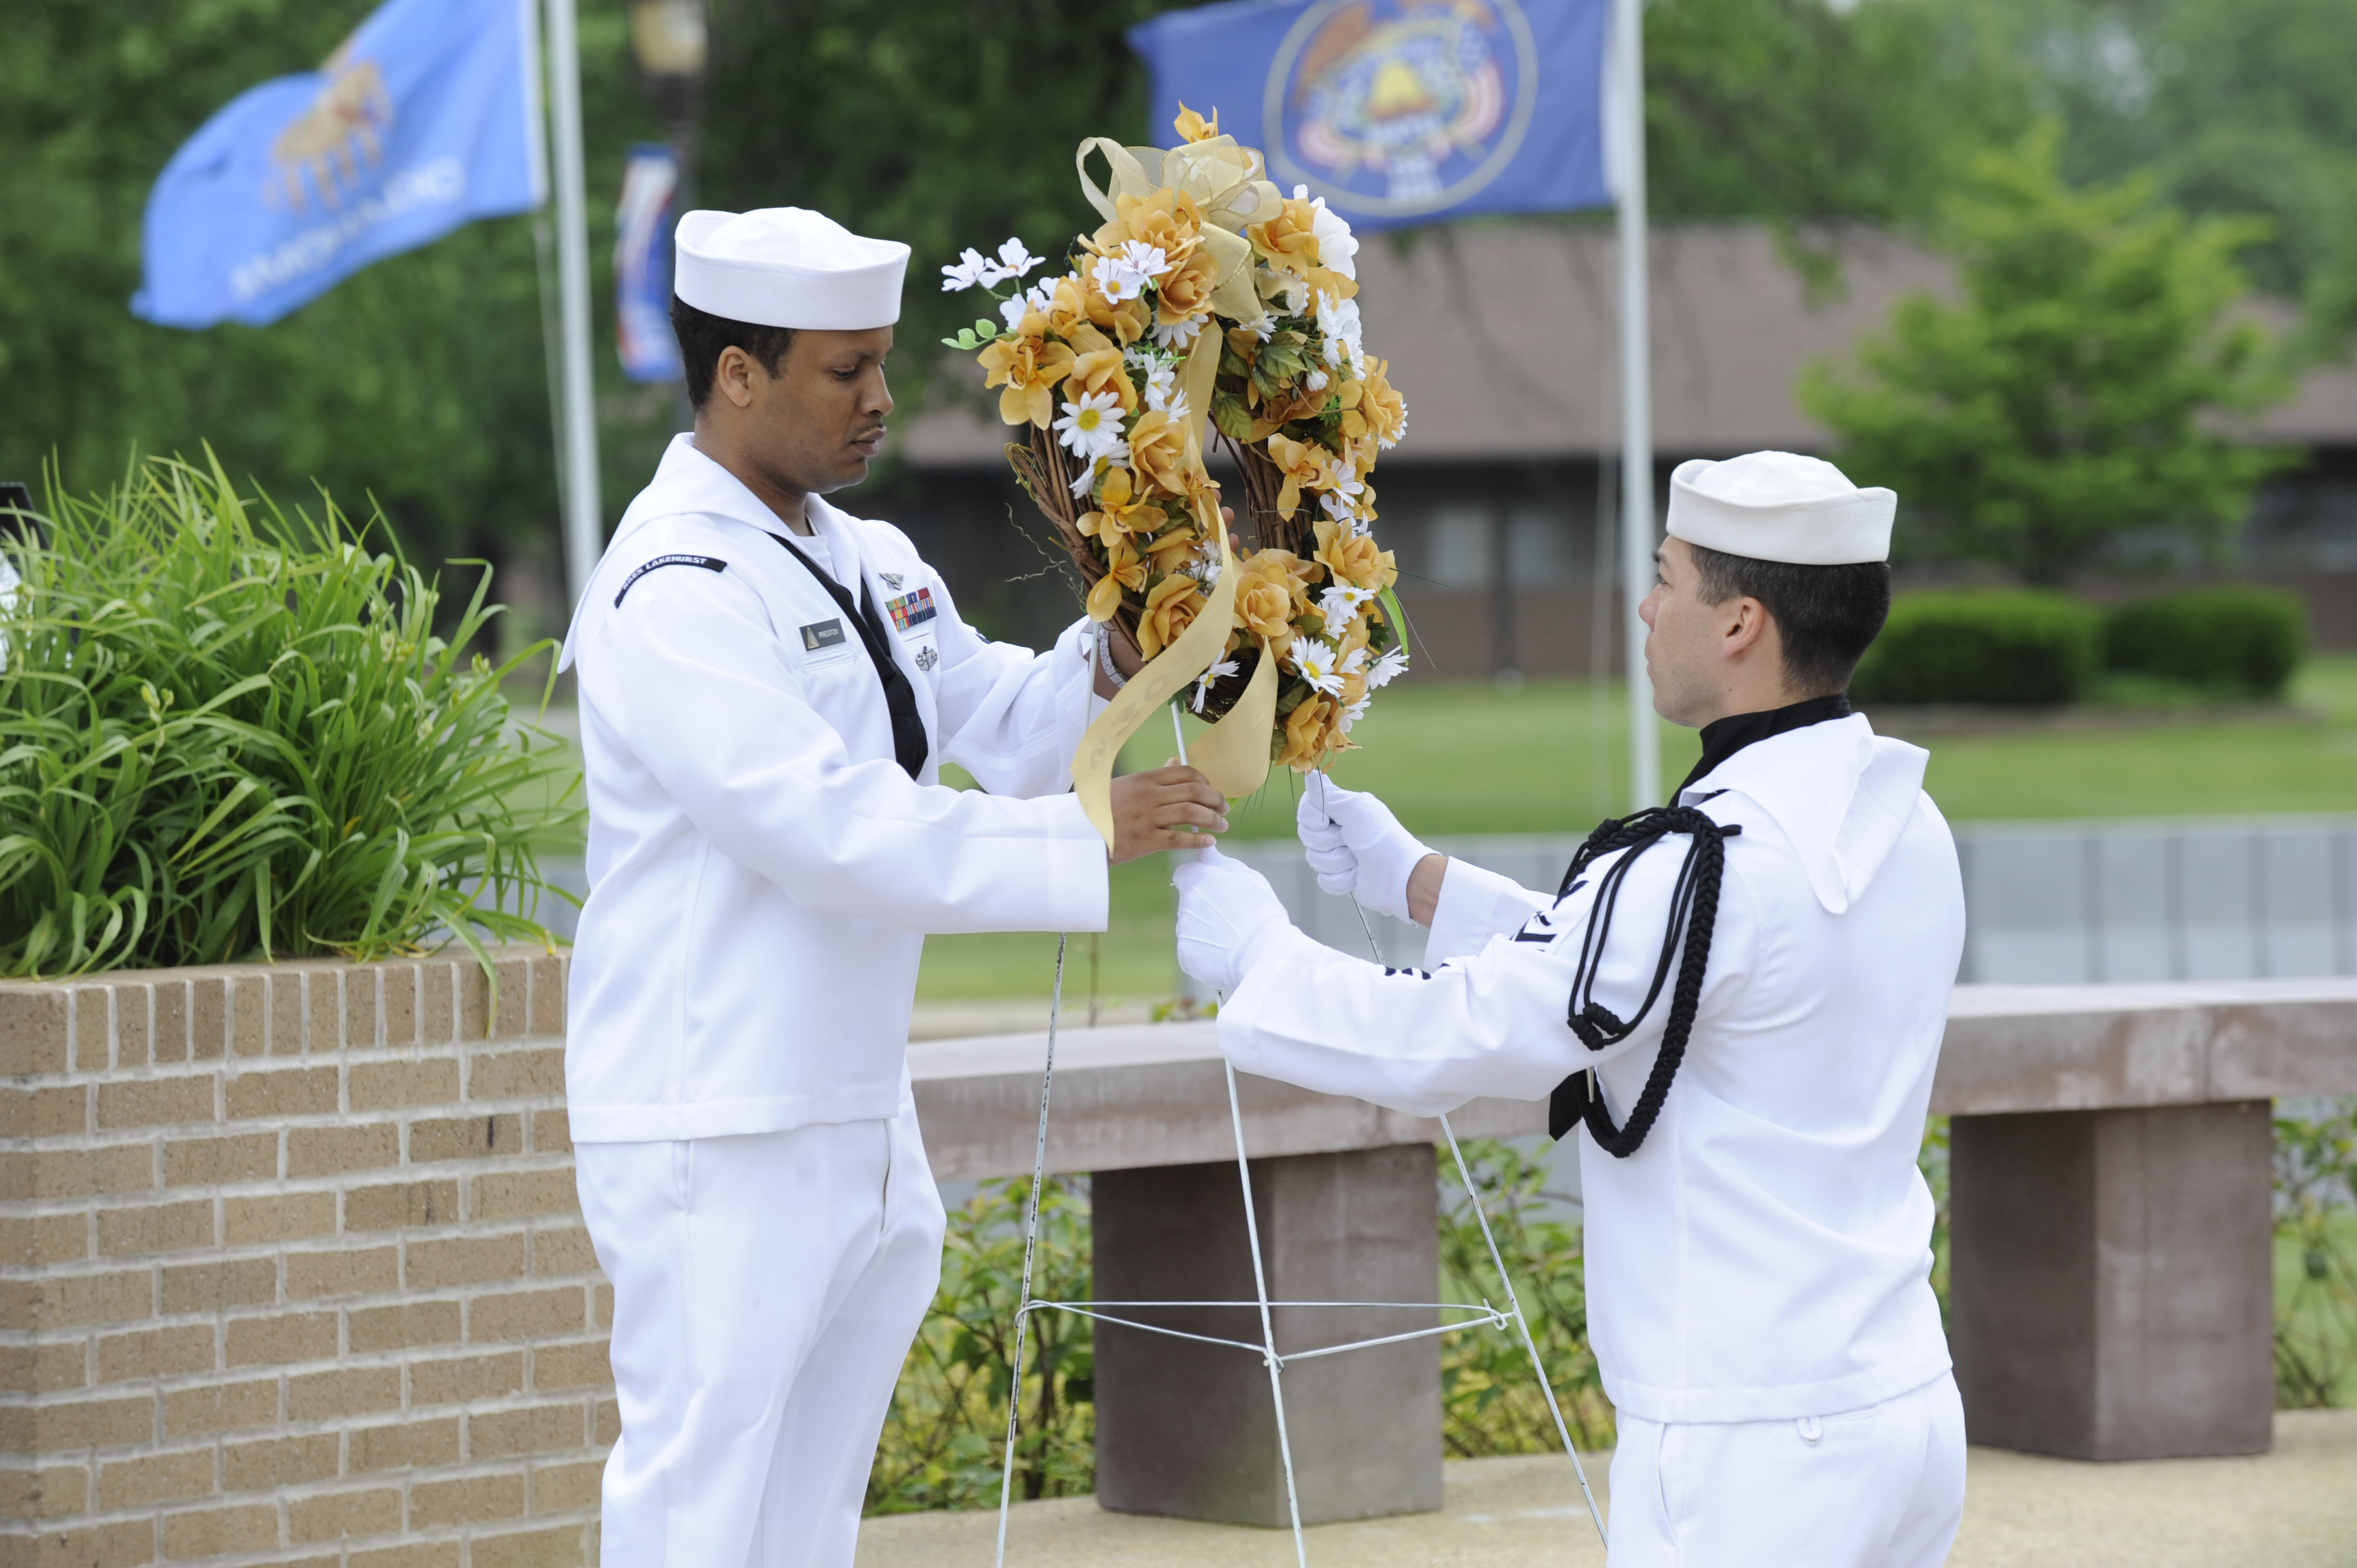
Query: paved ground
x,y
2295,1508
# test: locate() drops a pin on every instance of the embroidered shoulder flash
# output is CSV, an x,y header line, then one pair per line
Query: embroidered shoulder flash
x,y
709,563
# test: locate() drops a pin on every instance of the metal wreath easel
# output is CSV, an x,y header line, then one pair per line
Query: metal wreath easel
x,y
1485,1315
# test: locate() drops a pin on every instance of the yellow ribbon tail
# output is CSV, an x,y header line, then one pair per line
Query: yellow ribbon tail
x,y
1234,753
1165,676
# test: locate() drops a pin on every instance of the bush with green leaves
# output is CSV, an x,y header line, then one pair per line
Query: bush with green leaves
x,y
228,733
2023,646
2232,641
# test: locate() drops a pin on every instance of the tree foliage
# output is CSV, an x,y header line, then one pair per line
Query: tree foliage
x,y
2075,392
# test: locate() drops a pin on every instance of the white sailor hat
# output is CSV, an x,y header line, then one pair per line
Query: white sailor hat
x,y
787,266
1779,506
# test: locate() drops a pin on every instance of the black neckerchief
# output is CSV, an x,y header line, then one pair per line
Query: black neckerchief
x,y
1722,738
909,744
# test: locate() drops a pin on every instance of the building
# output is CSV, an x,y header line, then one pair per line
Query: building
x,y
1504,340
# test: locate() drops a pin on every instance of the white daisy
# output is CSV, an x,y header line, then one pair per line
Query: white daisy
x,y
1337,248
965,272
1178,335
1091,427
1340,603
1013,261
1087,480
1178,412
1316,662
1161,386
1037,297
1353,714
1317,379
1118,281
1147,260
1339,323
1217,673
1393,663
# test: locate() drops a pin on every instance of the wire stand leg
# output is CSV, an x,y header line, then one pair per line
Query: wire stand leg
x,y
1030,1244
1267,1330
1513,1296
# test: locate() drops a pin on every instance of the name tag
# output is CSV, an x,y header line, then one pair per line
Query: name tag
x,y
911,610
823,634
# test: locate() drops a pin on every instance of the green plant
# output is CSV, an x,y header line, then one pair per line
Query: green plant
x,y
945,1435
1489,1402
2237,640
2316,1222
2022,647
2075,393
228,733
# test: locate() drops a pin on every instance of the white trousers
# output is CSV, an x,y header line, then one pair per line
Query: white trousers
x,y
766,1290
1879,1487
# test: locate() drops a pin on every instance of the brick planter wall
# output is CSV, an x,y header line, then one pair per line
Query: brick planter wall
x,y
292,1271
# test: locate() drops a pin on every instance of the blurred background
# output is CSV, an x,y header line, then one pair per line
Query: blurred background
x,y
2117,241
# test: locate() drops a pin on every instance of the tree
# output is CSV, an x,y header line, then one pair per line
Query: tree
x,y
2235,107
2078,390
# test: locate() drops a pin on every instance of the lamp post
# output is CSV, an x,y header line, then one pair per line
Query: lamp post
x,y
672,44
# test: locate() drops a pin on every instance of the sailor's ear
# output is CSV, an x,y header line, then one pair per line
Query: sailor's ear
x,y
735,374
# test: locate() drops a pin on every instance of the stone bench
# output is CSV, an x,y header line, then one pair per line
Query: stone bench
x,y
2110,1232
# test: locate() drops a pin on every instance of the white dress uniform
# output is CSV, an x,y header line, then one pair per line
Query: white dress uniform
x,y
1758,1269
763,871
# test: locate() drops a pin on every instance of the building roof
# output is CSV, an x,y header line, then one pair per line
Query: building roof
x,y
1503,340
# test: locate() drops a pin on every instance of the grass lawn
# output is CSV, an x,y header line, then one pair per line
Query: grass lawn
x,y
1553,757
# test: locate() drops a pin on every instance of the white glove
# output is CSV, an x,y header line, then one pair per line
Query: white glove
x,y
1357,847
1228,917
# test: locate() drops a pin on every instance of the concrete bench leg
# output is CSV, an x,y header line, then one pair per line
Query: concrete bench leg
x,y
2113,1293
1187,1429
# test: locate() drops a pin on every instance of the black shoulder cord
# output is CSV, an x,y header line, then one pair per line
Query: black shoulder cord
x,y
1694,905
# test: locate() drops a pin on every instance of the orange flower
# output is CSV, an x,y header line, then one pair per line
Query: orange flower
x,y
1187,289
1157,449
1289,240
1027,367
1127,321
1170,608
1285,569
1119,514
1193,128
1354,558
1265,609
1172,548
1311,732
1122,570
1100,370
1167,220
1303,463
1372,407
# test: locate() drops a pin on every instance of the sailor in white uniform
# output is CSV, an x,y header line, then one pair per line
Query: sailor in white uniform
x,y
1741,997
767,689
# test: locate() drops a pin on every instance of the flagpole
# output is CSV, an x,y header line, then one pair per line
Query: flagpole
x,y
584,521
1637,541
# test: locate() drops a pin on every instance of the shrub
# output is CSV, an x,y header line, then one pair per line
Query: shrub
x,y
226,733
2237,641
2026,646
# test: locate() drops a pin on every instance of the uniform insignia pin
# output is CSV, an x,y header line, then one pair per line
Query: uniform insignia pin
x,y
892,580
927,657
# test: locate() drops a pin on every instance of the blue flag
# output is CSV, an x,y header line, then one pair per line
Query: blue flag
x,y
642,227
424,119
1398,110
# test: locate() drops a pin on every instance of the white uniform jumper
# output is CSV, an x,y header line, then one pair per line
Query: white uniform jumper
x,y
763,873
1758,1271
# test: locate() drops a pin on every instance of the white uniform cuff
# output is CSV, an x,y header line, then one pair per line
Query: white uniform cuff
x,y
1472,905
1078,888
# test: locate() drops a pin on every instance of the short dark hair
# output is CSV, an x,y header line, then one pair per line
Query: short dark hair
x,y
702,336
1827,616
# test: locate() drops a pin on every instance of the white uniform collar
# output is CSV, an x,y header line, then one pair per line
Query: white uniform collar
x,y
688,481
1841,793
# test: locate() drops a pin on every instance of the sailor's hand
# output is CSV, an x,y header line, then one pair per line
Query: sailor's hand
x,y
1357,847
1171,808
1227,915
